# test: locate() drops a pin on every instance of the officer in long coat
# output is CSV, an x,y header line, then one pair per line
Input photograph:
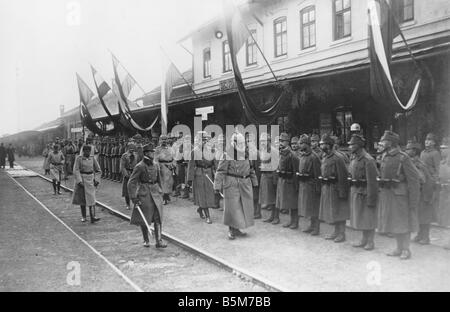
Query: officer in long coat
x,y
431,157
334,207
127,163
46,165
363,192
269,158
108,155
308,185
315,139
426,213
200,174
145,192
164,157
87,172
291,199
399,195
236,178
56,161
2,156
101,157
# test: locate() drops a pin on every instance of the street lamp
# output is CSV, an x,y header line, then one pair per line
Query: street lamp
x,y
219,34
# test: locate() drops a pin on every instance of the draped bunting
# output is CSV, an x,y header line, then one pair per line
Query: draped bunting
x,y
237,34
87,97
382,30
124,84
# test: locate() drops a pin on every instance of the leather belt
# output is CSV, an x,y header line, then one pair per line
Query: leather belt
x,y
204,167
357,183
285,174
387,183
237,176
328,180
303,176
86,172
165,161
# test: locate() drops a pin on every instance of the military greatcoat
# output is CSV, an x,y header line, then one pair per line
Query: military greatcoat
x,y
269,178
164,157
236,178
308,184
398,201
334,191
127,163
85,170
201,173
286,191
363,191
143,185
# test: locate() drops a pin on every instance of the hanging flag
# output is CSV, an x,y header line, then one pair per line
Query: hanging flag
x,y
87,97
237,35
102,89
124,84
382,30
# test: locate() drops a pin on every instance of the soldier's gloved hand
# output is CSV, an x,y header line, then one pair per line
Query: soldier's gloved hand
x,y
96,183
80,184
217,192
136,201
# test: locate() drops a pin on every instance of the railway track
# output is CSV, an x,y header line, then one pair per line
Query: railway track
x,y
224,265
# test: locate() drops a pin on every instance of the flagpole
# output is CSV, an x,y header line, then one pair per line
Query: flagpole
x,y
163,98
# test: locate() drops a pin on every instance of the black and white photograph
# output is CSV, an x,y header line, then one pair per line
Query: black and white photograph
x,y
223,151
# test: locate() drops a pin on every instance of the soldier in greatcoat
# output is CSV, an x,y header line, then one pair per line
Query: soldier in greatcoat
x,y
287,195
200,174
252,151
56,161
145,192
334,207
108,155
127,163
269,158
315,139
235,178
101,157
431,157
164,157
425,213
46,165
3,156
86,170
363,192
399,195
308,185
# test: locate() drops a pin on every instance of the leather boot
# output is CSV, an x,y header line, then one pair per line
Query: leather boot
x,y
398,251
363,242
406,240
272,216
419,235
59,187
316,226
341,233
291,219
425,234
310,228
92,214
276,219
185,192
370,240
200,213
294,224
83,213
231,234
158,236
257,213
208,217
54,186
334,234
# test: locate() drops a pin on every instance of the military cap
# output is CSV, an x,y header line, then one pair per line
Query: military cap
x,y
413,145
431,137
315,137
304,139
148,148
326,139
163,137
355,127
284,137
131,146
390,136
86,148
357,139
294,139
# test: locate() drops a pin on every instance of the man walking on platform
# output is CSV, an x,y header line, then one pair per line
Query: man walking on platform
x,y
164,157
86,169
269,178
56,161
363,192
127,163
334,207
308,185
145,192
399,195
236,178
